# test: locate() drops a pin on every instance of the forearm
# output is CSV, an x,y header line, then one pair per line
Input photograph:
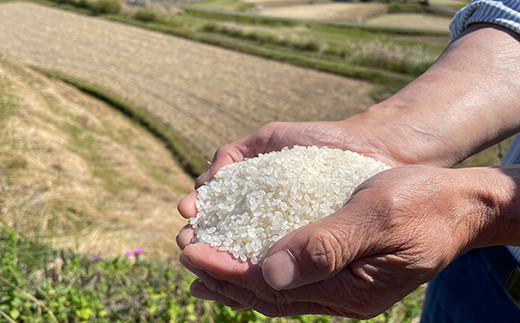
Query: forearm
x,y
468,100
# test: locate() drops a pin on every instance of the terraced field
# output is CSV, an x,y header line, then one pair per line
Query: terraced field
x,y
411,20
207,94
354,12
79,175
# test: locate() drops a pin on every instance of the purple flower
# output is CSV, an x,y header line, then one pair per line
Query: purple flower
x,y
127,253
95,258
138,251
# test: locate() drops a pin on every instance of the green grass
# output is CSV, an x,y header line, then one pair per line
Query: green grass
x,y
7,102
457,6
232,5
191,161
395,7
241,18
41,284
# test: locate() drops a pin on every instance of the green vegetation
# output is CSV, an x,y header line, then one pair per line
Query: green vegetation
x,y
192,162
7,102
41,284
412,7
147,15
95,7
240,18
232,5
103,7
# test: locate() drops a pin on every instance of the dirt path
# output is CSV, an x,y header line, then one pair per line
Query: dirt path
x,y
209,95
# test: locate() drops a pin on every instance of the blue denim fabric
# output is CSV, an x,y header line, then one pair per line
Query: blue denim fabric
x,y
468,290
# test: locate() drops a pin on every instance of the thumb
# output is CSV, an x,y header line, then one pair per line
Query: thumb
x,y
312,253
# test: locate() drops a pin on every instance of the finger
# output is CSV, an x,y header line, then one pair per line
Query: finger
x,y
232,277
220,264
185,236
269,137
228,154
199,290
249,300
314,252
187,206
245,284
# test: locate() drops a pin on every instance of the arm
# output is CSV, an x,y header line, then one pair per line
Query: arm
x,y
468,100
404,225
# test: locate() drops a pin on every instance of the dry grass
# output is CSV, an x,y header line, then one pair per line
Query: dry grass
x,y
329,11
411,20
209,95
80,175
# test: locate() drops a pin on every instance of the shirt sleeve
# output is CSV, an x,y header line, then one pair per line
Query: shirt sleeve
x,y
505,13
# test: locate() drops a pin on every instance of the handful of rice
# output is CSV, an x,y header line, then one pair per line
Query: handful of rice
x,y
248,206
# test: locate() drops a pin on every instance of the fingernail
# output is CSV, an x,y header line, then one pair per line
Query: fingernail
x,y
280,270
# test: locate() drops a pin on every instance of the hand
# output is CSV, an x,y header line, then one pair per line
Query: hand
x,y
346,135
399,229
351,134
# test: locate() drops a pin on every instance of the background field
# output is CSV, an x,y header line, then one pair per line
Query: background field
x,y
78,174
354,12
411,20
209,95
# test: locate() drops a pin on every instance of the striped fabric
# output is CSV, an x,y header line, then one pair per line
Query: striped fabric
x,y
505,13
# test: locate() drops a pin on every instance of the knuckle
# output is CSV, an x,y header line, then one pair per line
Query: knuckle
x,y
325,249
264,135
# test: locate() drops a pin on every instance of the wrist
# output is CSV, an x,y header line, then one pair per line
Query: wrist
x,y
493,192
399,134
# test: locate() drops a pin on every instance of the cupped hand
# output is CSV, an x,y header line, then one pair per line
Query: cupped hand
x,y
346,135
399,229
274,136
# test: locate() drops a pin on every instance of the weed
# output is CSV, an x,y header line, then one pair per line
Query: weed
x,y
103,7
146,15
38,283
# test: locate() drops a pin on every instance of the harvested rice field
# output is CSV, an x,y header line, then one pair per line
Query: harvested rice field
x,y
353,12
208,95
411,20
79,175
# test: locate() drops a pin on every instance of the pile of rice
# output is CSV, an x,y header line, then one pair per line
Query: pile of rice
x,y
249,205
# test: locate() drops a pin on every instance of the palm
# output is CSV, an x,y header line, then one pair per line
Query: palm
x,y
242,284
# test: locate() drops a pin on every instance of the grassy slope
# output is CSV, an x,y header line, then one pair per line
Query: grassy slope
x,y
65,172
79,174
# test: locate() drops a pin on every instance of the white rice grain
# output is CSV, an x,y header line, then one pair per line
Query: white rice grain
x,y
247,206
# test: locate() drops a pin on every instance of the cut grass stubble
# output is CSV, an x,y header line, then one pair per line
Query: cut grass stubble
x,y
191,161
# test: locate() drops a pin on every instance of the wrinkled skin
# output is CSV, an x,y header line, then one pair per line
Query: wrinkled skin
x,y
356,262
402,226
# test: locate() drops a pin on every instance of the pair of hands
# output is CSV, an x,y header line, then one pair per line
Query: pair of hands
x,y
398,230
